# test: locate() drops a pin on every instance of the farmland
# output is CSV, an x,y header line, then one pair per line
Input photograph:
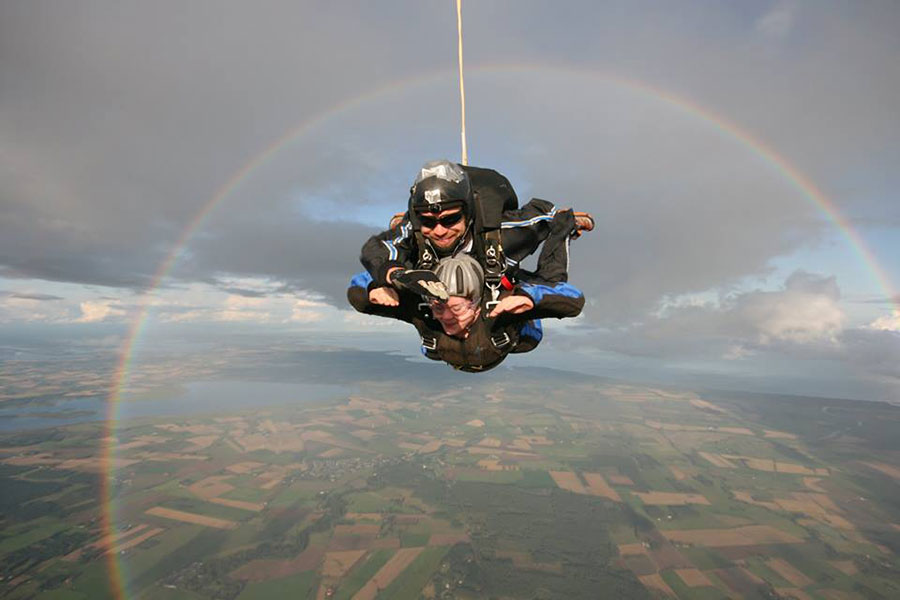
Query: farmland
x,y
513,491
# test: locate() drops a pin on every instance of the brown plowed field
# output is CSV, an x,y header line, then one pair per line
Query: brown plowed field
x,y
665,555
742,581
386,574
186,517
640,564
779,435
632,549
620,480
353,537
739,536
655,583
338,563
847,567
677,473
813,484
597,486
260,570
568,480
889,470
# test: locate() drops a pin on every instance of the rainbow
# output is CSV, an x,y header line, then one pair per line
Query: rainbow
x,y
727,128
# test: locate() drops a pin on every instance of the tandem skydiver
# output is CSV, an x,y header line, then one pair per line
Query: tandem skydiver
x,y
457,211
452,209
464,330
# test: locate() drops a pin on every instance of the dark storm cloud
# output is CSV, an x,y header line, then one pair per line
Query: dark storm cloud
x,y
26,296
245,293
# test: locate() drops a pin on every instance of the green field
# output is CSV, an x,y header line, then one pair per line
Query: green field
x,y
513,533
300,586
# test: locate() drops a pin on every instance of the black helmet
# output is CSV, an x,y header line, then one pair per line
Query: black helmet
x,y
440,185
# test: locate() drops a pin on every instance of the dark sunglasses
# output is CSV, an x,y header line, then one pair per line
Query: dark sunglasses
x,y
447,220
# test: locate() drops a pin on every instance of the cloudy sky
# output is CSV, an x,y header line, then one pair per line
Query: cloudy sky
x,y
221,163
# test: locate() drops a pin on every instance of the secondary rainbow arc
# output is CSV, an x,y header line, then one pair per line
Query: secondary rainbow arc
x,y
120,379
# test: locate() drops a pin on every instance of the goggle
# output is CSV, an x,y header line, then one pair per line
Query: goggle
x,y
459,309
447,220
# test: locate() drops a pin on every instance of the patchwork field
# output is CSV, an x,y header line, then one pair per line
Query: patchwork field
x,y
571,490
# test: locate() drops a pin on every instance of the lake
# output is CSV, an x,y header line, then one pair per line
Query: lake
x,y
195,398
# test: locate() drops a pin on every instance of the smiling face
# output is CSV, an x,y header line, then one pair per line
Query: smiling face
x,y
445,228
456,315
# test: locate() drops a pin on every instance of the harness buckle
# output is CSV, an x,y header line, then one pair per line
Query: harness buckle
x,y
500,340
495,297
429,343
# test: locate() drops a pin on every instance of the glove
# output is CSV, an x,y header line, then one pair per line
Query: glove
x,y
422,282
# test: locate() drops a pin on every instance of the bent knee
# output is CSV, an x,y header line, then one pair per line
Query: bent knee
x,y
358,298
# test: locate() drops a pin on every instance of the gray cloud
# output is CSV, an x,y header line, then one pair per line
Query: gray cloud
x,y
120,123
28,296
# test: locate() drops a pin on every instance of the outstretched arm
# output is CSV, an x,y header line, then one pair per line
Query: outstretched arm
x,y
388,250
360,295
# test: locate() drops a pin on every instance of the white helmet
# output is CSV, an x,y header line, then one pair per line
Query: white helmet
x,y
462,275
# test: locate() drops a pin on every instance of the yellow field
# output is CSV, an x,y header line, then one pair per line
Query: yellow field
x,y
186,517
704,405
431,447
750,535
568,480
132,542
490,442
717,460
244,467
202,441
251,506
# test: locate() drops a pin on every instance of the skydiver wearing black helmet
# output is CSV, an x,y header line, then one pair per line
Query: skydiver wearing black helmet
x,y
455,208
456,211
